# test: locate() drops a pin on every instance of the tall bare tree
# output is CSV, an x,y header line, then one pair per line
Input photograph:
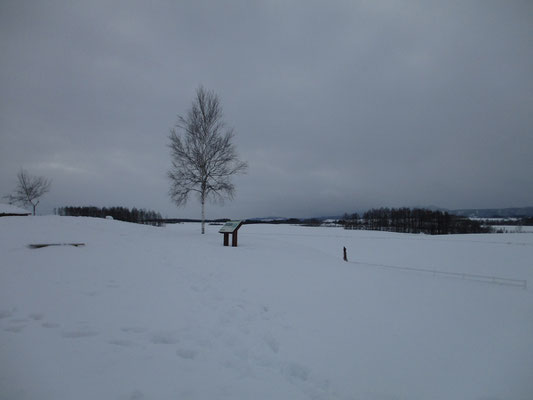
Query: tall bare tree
x,y
29,189
203,156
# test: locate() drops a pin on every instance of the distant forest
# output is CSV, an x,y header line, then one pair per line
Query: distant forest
x,y
416,220
139,216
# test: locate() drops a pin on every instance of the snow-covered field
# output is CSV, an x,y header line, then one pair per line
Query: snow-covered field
x,y
165,313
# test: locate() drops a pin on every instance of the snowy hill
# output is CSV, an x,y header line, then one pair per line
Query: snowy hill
x,y
165,313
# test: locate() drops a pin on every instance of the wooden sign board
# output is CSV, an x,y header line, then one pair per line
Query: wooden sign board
x,y
230,227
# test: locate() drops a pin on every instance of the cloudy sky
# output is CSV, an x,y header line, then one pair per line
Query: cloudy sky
x,y
337,105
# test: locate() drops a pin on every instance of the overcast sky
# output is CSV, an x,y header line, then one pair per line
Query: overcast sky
x,y
337,105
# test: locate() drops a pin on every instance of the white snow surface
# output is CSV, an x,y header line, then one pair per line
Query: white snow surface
x,y
11,209
167,313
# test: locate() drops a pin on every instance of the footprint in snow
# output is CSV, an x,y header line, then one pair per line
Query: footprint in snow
x,y
5,314
50,325
15,328
80,333
301,376
272,343
18,320
188,354
135,395
121,342
132,329
170,337
36,316
297,372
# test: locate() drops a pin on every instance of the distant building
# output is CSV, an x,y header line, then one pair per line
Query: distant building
x,y
9,210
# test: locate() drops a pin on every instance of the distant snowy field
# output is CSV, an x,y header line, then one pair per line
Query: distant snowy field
x,y
514,228
165,313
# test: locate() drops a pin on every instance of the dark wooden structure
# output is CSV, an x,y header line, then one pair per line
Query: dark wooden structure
x,y
230,227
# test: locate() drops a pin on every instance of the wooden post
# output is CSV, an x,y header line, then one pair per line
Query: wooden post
x,y
345,256
234,239
226,239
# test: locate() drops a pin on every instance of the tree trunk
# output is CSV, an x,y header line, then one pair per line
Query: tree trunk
x,y
33,208
203,214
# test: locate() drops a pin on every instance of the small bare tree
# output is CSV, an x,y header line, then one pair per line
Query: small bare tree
x,y
204,158
29,189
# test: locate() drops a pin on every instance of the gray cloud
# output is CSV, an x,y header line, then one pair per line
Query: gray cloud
x,y
337,106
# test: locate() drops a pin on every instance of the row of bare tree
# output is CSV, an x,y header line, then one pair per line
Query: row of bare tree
x,y
139,216
413,220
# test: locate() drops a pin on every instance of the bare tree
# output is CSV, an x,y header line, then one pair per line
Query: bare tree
x,y
29,189
204,159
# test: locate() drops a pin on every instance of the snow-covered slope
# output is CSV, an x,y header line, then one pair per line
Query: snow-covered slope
x,y
166,313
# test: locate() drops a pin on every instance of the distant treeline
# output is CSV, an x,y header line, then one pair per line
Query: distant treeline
x,y
286,221
416,220
139,216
